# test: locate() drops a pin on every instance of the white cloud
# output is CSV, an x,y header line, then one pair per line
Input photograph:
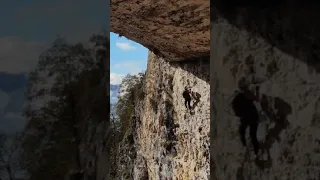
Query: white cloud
x,y
18,55
125,46
116,78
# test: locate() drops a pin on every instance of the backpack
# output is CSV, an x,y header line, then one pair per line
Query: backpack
x,y
186,94
243,107
238,105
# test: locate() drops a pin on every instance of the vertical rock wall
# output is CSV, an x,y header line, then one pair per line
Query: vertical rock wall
x,y
171,143
289,115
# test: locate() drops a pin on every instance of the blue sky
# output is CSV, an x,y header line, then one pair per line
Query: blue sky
x,y
126,57
27,29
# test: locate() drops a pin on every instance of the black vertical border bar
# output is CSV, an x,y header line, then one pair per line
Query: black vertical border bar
x,y
213,127
107,66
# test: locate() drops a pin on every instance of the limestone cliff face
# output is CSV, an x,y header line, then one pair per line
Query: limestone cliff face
x,y
171,143
290,87
167,141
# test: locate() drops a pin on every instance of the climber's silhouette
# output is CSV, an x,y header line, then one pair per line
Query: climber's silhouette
x,y
245,109
187,97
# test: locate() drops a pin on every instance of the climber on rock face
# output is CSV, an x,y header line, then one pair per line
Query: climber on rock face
x,y
187,97
244,107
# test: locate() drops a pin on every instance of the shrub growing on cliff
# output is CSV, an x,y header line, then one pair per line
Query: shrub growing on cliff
x,y
131,92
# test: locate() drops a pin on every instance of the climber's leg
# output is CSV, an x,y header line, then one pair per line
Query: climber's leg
x,y
253,135
242,131
189,104
185,103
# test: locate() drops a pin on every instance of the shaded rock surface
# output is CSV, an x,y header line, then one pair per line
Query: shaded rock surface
x,y
177,30
266,47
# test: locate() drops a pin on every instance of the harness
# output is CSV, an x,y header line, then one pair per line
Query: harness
x,y
187,94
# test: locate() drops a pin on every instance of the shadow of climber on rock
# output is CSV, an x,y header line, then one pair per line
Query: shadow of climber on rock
x,y
244,108
277,111
196,96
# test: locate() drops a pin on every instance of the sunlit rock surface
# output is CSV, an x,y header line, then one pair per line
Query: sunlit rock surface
x,y
177,30
171,143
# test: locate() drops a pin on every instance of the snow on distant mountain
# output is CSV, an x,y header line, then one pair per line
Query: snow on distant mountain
x,y
114,91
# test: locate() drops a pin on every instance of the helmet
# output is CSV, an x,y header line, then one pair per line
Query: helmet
x,y
243,83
